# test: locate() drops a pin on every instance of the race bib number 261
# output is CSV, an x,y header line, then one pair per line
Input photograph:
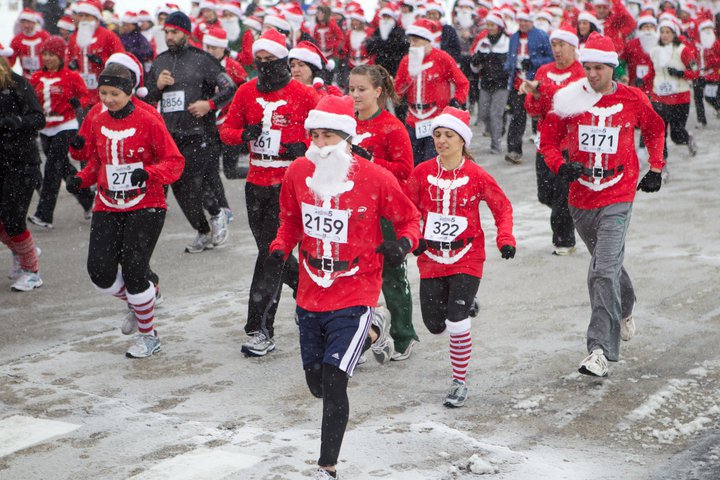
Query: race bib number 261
x,y
598,139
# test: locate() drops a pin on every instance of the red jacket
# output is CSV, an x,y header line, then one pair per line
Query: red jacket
x,y
639,65
375,194
330,38
618,172
387,140
54,91
245,56
618,25
104,44
283,114
139,140
709,62
27,49
429,92
446,211
355,47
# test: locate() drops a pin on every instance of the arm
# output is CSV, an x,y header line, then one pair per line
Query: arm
x,y
462,85
80,91
222,84
232,129
552,132
400,211
544,52
89,174
154,94
171,163
400,163
290,232
31,113
688,58
501,209
402,78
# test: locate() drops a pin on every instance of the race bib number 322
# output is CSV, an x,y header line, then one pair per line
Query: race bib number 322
x,y
598,139
444,228
325,223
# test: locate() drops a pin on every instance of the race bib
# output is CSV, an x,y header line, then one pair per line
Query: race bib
x,y
30,63
90,80
598,139
710,90
641,71
666,88
444,228
268,143
325,223
423,129
173,101
118,176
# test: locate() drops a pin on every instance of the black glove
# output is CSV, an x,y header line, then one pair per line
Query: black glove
x,y
138,176
11,122
72,184
570,171
394,251
251,132
295,150
77,142
455,104
651,182
526,65
94,58
422,246
75,103
507,251
73,65
476,59
674,72
639,82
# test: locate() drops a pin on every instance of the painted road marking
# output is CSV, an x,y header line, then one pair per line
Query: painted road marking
x,y
201,464
18,432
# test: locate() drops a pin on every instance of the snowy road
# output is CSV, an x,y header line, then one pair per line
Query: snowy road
x,y
72,406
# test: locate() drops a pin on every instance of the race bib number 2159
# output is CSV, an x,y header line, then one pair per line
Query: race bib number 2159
x,y
325,223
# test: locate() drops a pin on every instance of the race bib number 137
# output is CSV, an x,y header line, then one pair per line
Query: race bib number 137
x,y
598,139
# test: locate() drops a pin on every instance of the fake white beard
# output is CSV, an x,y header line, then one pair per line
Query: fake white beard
x,y
648,40
464,18
707,38
357,37
85,32
416,55
332,165
407,19
543,25
576,98
231,27
511,27
385,27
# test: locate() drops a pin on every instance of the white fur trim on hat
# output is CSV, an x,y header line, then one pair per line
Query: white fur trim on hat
x,y
89,9
277,22
565,36
133,66
706,24
253,23
599,56
307,56
331,121
671,25
29,16
446,120
646,19
280,51
418,31
65,25
215,41
496,19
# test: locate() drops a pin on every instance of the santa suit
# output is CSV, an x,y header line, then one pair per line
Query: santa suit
x,y
355,47
27,49
618,25
329,37
54,90
706,86
104,43
639,66
385,138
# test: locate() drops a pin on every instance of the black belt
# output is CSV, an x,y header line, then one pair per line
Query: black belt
x,y
447,246
327,264
599,172
122,194
260,156
421,106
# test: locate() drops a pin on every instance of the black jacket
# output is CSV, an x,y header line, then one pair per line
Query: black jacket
x,y
20,145
201,77
389,52
489,58
450,42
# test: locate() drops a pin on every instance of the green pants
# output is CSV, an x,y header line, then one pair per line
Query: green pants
x,y
396,290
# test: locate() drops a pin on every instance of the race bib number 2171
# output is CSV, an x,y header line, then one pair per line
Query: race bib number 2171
x,y
594,139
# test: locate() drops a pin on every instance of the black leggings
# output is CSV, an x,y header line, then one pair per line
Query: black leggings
x,y
127,239
675,117
553,192
447,298
17,183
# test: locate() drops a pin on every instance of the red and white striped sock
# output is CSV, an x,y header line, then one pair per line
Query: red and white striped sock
x,y
117,289
24,247
143,304
460,347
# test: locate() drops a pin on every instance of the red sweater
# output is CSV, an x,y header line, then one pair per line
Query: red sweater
x,y
140,139
709,62
626,108
639,65
355,47
374,194
330,38
27,49
387,140
284,112
104,44
464,189
54,91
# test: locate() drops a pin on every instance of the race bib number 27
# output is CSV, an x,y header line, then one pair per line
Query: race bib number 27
x,y
118,176
598,139
325,223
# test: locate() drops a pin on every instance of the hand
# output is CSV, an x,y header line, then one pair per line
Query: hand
x,y
422,246
507,252
651,182
73,65
674,72
73,184
570,171
251,132
165,79
74,103
456,104
94,58
394,251
77,142
531,87
138,177
199,109
272,271
526,65
295,150
11,122
639,82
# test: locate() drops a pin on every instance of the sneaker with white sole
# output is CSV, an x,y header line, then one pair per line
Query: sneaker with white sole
x,y
594,364
627,328
40,222
692,145
362,359
16,269
202,242
400,356
229,214
219,228
27,281
144,345
383,347
322,474
563,251
258,346
130,323
457,395
514,158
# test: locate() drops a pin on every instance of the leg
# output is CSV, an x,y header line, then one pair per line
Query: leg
x,y
678,119
434,294
104,252
518,119
230,157
188,189
213,191
55,149
661,110
698,94
462,291
545,181
336,411
17,183
483,114
498,101
560,219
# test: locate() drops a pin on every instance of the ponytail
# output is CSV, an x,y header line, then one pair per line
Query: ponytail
x,y
379,77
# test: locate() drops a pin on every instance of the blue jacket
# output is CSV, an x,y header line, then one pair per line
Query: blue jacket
x,y
539,49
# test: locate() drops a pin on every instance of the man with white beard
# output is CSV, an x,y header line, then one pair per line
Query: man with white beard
x,y
331,203
388,42
706,87
636,55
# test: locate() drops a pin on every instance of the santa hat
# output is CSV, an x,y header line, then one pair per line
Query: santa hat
x,y
707,23
233,7
272,42
567,34
66,23
495,17
390,10
293,14
599,49
456,120
5,52
252,22
278,21
29,14
130,61
130,17
544,15
310,53
646,19
144,16
589,17
435,7
55,45
653,7
507,11
89,8
215,37
487,5
424,28
466,3
208,4
523,14
358,14
671,25
601,3
333,113
338,8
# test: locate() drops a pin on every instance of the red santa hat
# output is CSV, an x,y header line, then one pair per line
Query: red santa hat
x,y
5,52
589,17
544,15
495,17
144,16
523,14
507,11
338,8
646,19
358,14
55,45
278,21
707,23
272,42
424,28
252,22
208,4
215,37
456,120
293,14
599,49
333,113
565,33
435,7
89,8
130,61
667,23
390,10
652,7
130,17
310,53
29,14
66,23
233,7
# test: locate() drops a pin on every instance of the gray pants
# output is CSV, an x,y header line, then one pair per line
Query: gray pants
x,y
612,296
491,108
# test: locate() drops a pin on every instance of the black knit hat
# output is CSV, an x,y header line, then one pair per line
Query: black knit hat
x,y
179,21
